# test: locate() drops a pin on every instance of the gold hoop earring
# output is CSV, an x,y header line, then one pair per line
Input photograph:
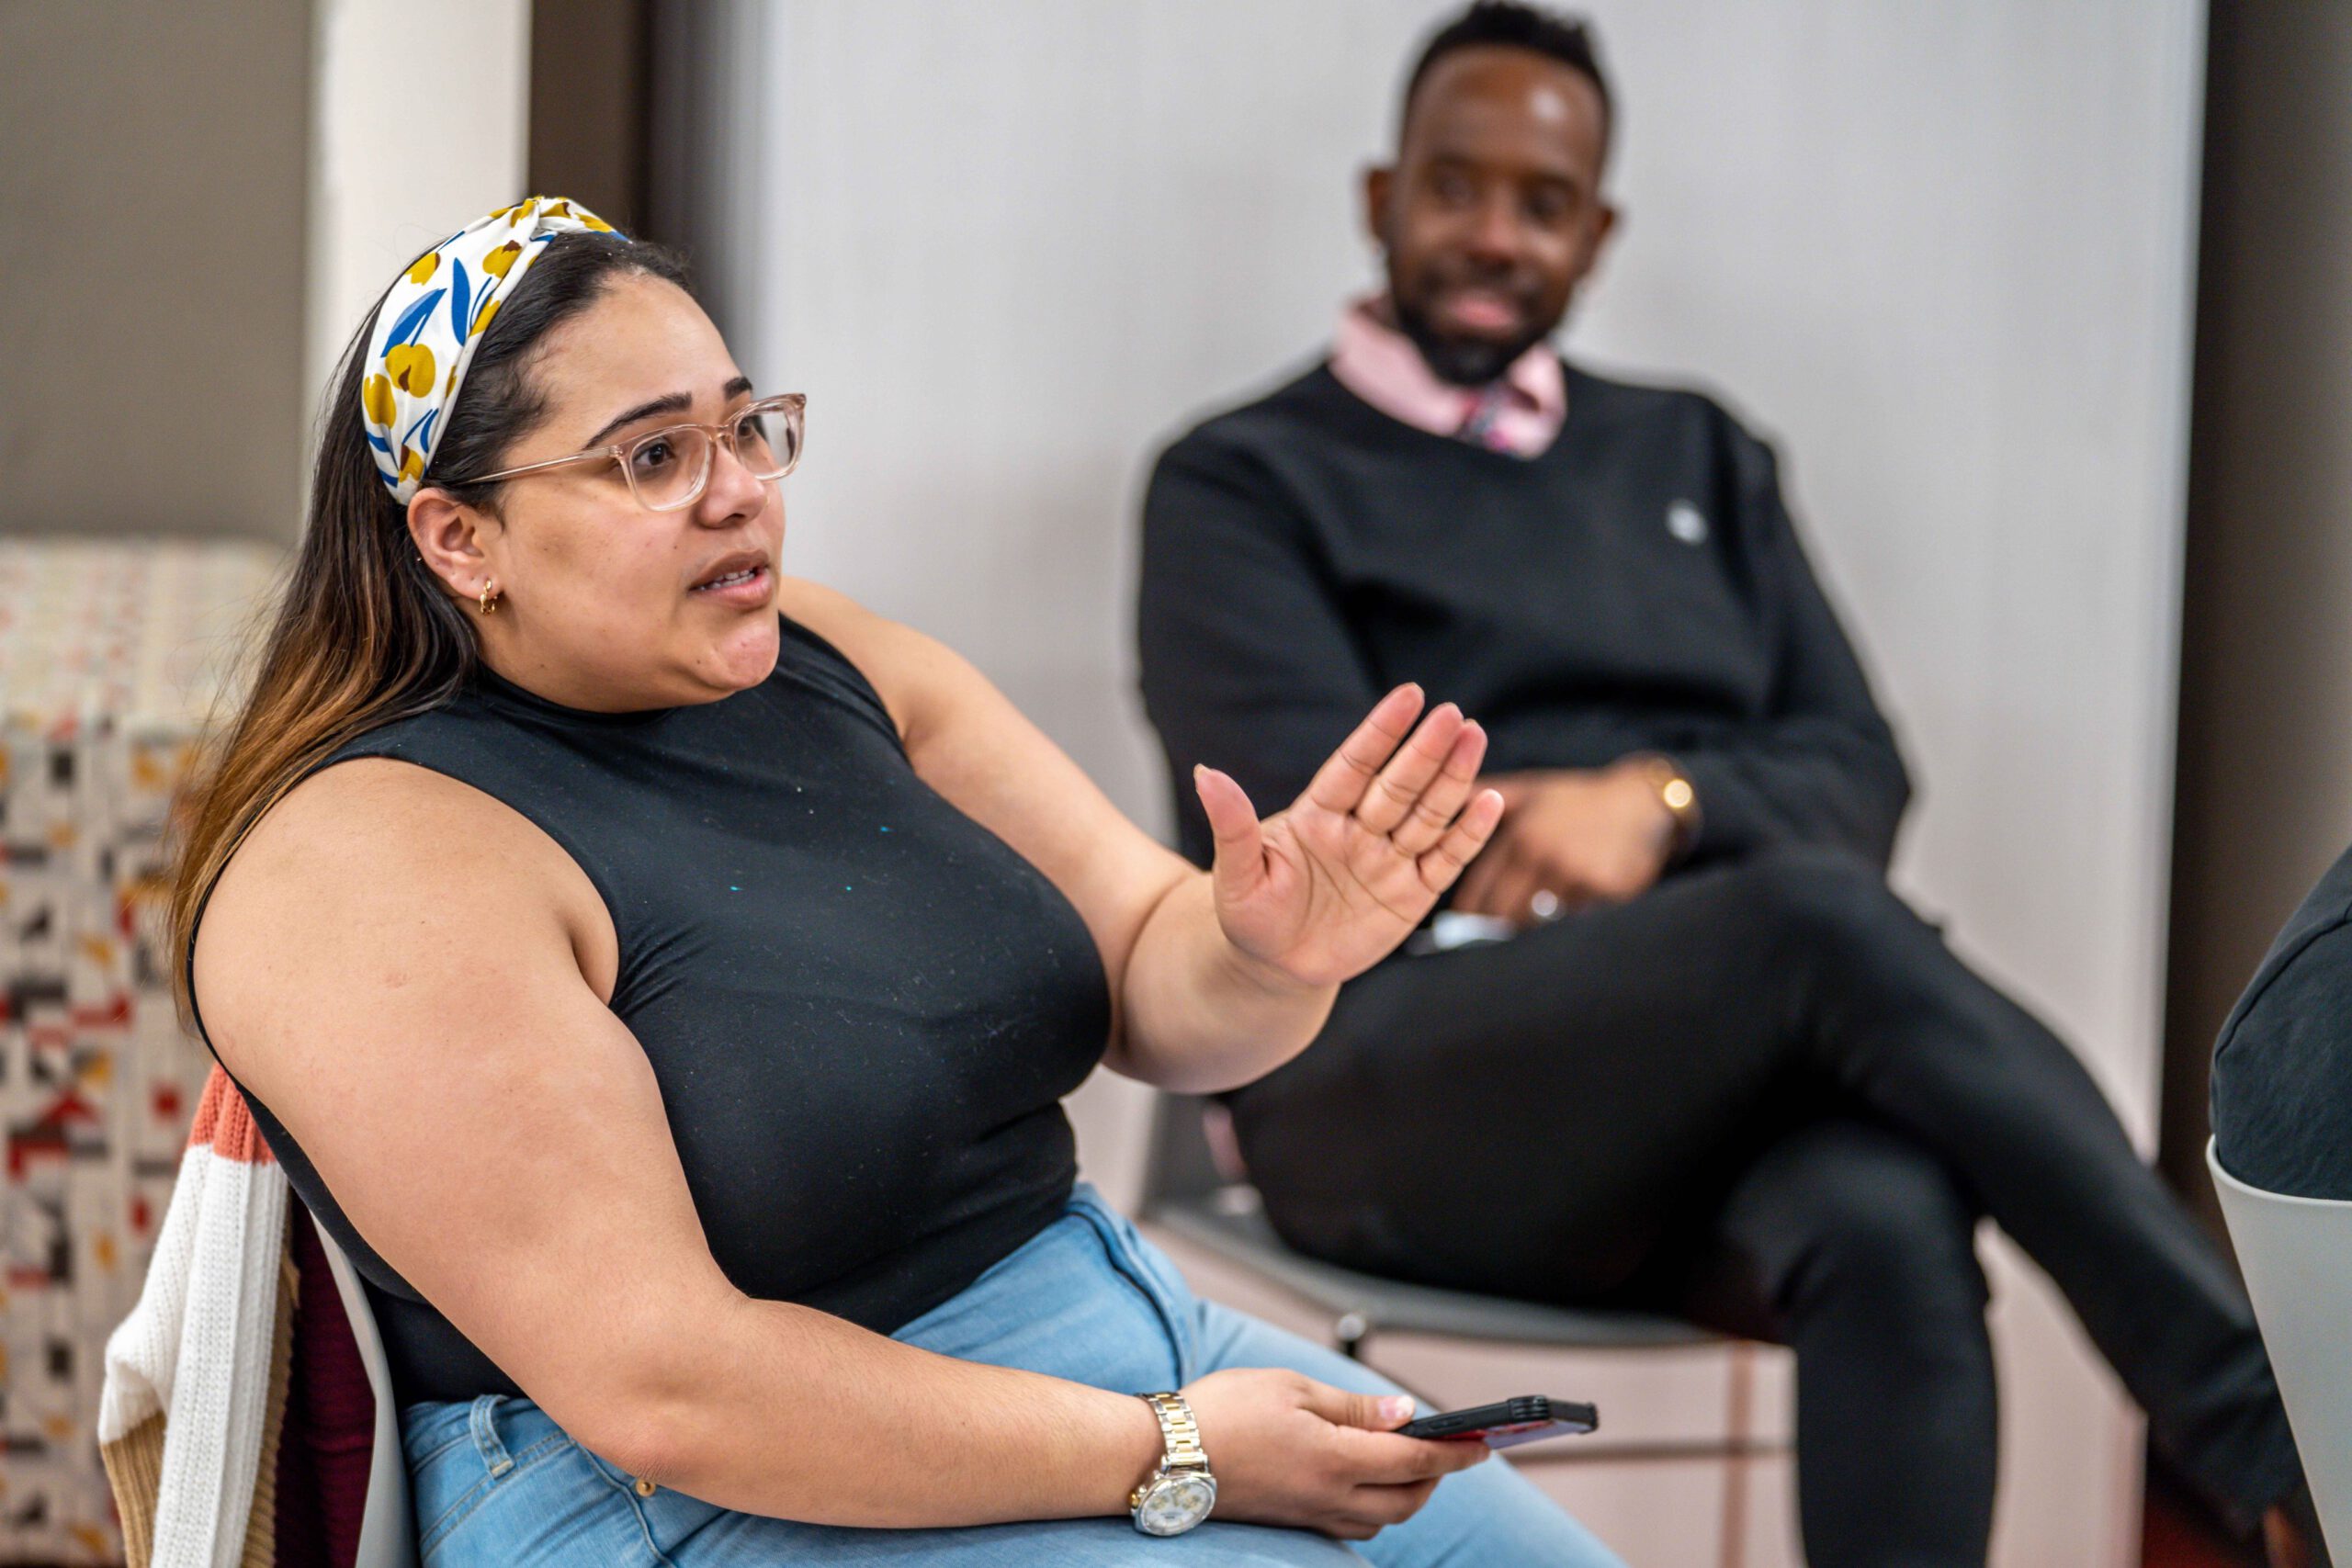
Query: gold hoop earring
x,y
489,600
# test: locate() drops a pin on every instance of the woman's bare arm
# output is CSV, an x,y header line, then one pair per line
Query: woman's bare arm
x,y
399,966
1195,1010
1189,1011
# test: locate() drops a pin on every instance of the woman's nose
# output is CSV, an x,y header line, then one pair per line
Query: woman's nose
x,y
732,492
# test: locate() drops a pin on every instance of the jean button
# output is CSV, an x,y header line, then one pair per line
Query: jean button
x,y
645,1488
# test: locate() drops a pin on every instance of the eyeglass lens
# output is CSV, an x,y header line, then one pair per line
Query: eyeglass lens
x,y
669,467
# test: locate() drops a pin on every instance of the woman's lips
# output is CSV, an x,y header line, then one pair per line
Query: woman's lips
x,y
749,589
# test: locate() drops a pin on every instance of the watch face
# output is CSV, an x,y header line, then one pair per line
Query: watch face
x,y
1174,1503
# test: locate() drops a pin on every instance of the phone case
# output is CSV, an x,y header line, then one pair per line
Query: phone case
x,y
1531,1419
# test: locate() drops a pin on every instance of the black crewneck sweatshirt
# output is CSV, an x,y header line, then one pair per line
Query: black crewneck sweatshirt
x,y
1637,586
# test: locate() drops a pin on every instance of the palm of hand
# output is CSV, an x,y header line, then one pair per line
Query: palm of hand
x,y
1322,891
1335,899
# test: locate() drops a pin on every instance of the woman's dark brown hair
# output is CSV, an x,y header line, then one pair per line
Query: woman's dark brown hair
x,y
364,633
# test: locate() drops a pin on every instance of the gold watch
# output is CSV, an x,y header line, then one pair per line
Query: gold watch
x,y
1180,1491
1677,793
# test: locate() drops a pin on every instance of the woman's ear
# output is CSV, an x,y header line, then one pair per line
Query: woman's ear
x,y
449,535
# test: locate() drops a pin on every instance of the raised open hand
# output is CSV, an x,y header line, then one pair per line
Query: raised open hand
x,y
1326,889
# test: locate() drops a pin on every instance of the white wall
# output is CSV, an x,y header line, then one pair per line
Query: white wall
x,y
1940,251
151,245
402,158
211,193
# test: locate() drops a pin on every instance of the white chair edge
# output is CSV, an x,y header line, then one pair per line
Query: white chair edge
x,y
2275,1278
387,1530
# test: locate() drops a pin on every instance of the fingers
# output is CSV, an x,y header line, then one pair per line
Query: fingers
x,y
1366,1431
1470,895
1397,790
1460,844
1368,1412
1302,1453
1368,1510
1233,823
1381,1506
1394,1475
1513,892
1340,784
1434,812
1514,788
1384,1458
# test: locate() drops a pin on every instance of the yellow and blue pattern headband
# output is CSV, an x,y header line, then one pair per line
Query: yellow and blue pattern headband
x,y
429,325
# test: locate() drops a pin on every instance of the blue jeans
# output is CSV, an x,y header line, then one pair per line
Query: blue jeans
x,y
495,1483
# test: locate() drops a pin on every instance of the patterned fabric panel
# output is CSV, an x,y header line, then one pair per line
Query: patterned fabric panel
x,y
111,654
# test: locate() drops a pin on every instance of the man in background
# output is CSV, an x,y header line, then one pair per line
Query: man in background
x,y
1716,1067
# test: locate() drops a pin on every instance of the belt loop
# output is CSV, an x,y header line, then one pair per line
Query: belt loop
x,y
481,1421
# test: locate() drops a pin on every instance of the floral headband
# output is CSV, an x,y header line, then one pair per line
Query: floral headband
x,y
430,322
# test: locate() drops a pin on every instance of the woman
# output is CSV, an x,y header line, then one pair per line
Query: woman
x,y
662,976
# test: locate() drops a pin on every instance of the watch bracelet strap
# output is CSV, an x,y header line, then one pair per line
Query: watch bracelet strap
x,y
1180,1433
1678,794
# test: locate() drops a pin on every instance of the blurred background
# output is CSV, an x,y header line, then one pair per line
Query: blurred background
x,y
2042,303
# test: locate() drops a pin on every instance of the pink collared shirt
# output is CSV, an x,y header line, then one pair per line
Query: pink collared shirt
x,y
1520,414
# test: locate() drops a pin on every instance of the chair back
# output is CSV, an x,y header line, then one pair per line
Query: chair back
x,y
387,1530
1180,1166
2297,1254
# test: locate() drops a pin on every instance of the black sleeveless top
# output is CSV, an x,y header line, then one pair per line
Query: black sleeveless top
x,y
862,1007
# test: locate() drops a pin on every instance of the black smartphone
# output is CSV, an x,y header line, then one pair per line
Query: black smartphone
x,y
1528,1419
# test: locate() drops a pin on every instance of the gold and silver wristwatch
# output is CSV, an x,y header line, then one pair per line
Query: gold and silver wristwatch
x,y
1179,1493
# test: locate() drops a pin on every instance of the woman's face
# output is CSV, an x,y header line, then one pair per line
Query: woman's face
x,y
605,605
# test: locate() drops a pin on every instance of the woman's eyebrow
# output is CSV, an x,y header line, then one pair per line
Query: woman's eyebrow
x,y
673,402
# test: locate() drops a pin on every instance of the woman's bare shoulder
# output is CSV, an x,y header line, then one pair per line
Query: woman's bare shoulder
x,y
377,857
389,820
912,671
834,616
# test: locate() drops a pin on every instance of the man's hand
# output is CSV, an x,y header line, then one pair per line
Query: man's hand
x,y
1584,837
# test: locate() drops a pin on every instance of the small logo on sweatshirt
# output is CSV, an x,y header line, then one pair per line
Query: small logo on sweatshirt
x,y
1687,522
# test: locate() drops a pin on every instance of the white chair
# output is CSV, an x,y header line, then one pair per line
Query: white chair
x,y
1193,1194
2297,1254
387,1530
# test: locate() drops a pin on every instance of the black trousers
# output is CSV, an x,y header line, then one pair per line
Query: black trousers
x,y
1767,1096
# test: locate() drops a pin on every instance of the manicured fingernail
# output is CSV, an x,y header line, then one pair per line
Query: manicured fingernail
x,y
1397,1407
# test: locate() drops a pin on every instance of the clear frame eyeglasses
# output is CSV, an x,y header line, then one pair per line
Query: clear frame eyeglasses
x,y
668,468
